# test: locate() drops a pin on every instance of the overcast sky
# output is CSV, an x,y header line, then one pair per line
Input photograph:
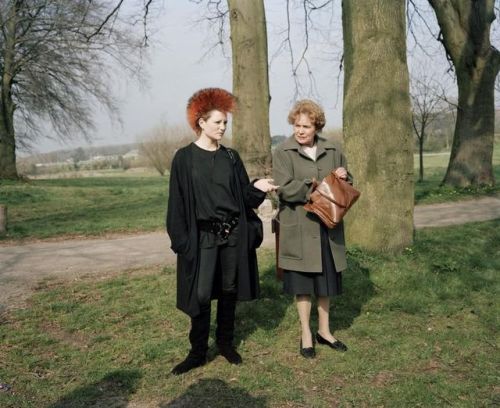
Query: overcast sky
x,y
178,67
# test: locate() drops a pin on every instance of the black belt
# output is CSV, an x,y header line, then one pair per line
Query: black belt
x,y
219,228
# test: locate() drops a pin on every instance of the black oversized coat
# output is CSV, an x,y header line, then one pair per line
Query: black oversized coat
x,y
183,231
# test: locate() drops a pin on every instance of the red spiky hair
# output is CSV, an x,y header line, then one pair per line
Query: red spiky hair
x,y
206,100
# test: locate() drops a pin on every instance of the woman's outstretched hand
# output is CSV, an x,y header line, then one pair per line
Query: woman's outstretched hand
x,y
265,185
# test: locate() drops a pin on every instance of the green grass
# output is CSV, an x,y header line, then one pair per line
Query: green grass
x,y
93,206
422,328
429,191
83,206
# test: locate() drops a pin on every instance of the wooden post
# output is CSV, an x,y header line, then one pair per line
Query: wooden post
x,y
3,219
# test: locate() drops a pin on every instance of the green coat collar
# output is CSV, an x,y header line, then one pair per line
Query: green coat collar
x,y
323,144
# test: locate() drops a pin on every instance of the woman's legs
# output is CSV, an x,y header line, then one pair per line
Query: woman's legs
x,y
224,334
304,310
324,318
200,324
198,337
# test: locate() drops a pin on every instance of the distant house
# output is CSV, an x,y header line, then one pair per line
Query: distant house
x,y
109,157
132,154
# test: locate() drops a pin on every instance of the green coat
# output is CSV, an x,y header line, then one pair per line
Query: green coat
x,y
293,171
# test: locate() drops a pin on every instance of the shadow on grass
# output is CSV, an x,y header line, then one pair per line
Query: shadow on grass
x,y
212,392
265,313
358,289
113,390
268,312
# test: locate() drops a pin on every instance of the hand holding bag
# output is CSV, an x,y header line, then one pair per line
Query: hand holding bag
x,y
331,199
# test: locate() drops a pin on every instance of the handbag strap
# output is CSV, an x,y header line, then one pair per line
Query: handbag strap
x,y
231,155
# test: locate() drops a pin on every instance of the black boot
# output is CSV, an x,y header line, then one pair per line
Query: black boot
x,y
224,334
198,337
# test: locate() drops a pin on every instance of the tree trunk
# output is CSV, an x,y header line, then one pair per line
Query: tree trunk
x,y
377,123
465,27
421,153
251,134
3,219
7,135
7,146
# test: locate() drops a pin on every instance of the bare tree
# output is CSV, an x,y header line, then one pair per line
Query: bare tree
x,y
427,101
377,123
465,34
159,145
54,56
299,56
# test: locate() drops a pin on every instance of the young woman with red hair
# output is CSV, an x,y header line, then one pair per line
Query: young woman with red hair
x,y
210,203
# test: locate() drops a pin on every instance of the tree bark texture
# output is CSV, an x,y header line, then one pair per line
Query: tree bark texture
x,y
3,219
465,30
377,124
251,134
7,135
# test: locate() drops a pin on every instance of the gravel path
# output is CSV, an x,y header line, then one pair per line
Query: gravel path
x,y
23,266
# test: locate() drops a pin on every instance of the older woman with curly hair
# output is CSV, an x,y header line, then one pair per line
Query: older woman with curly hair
x,y
210,204
312,256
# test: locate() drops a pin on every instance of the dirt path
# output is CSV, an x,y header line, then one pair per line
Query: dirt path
x,y
23,266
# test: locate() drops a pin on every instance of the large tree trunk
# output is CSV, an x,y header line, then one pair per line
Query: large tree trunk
x,y
7,135
465,28
377,123
251,134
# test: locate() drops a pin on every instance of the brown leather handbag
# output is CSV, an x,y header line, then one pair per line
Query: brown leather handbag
x,y
331,199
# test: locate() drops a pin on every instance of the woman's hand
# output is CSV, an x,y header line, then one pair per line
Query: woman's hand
x,y
265,185
340,172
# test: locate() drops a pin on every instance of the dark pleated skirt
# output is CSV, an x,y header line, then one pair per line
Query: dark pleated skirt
x,y
325,283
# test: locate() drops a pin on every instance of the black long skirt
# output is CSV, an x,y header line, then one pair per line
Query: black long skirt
x,y
323,283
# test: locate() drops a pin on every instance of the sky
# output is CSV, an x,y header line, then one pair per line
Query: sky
x,y
182,60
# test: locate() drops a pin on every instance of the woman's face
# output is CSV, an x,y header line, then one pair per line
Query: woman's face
x,y
304,130
214,126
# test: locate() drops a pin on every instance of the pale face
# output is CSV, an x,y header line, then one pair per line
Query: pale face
x,y
304,130
214,127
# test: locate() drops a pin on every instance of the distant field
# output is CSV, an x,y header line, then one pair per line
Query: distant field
x,y
441,159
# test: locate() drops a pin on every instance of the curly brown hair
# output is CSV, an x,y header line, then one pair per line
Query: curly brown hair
x,y
311,109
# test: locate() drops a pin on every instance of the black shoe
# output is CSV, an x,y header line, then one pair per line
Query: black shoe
x,y
230,354
336,345
188,364
308,352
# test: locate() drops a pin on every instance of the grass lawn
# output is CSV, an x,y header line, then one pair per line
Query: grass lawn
x,y
118,202
429,191
422,328
84,206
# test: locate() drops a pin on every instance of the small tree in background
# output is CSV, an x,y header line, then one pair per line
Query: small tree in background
x,y
427,103
159,145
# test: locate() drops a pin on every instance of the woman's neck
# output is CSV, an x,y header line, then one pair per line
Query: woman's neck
x,y
206,143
